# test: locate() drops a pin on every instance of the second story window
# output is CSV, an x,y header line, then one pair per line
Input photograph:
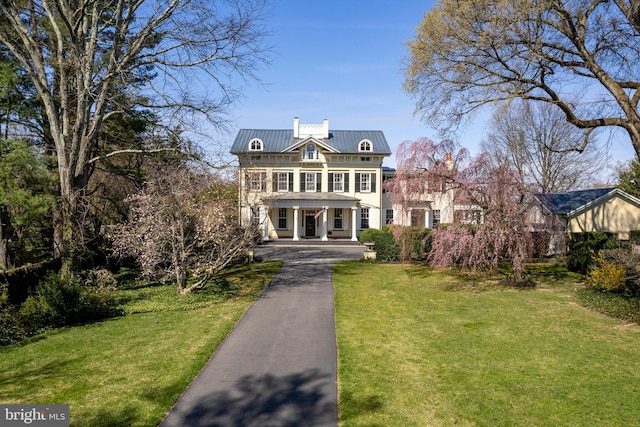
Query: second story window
x,y
366,182
310,182
338,182
256,181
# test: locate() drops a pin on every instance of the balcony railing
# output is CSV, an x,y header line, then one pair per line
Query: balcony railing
x,y
310,156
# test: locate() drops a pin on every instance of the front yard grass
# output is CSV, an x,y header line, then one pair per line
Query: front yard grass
x,y
419,347
129,371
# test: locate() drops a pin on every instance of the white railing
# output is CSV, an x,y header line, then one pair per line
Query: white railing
x,y
310,156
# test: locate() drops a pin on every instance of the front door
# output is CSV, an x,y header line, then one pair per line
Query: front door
x,y
310,226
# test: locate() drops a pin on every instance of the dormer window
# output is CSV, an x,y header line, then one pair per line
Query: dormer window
x,y
310,153
365,145
255,145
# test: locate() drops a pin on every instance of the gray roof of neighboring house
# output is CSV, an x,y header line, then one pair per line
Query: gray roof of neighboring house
x,y
278,140
564,203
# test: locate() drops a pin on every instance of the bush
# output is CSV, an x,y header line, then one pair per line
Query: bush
x,y
583,245
414,242
385,245
606,275
10,329
61,301
630,263
101,280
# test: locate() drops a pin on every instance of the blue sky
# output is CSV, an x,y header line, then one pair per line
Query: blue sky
x,y
341,60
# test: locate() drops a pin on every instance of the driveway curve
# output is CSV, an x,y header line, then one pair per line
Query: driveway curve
x,y
278,365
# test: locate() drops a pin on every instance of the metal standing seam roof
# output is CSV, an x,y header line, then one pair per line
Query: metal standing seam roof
x,y
565,203
278,140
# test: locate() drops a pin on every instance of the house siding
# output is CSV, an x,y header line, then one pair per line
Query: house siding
x,y
614,215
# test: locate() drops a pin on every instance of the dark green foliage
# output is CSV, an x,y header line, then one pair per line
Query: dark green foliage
x,y
583,245
634,237
23,280
612,304
630,178
414,242
399,243
10,329
61,301
385,245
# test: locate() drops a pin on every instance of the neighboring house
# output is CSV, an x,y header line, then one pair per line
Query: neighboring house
x,y
604,209
420,203
311,181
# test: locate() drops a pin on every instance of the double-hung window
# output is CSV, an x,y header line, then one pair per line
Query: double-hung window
x,y
256,181
389,216
282,218
337,218
338,182
310,182
283,181
365,182
364,218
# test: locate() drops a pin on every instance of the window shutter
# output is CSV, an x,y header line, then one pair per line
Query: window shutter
x,y
274,182
302,181
373,182
318,182
346,182
357,182
330,189
291,182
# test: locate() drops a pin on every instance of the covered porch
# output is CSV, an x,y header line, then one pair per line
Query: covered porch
x,y
311,215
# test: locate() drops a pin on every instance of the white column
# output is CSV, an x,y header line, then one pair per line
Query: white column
x,y
264,214
295,224
409,211
325,214
354,236
428,218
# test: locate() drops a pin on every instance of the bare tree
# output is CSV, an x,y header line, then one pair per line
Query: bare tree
x,y
185,225
536,141
467,54
181,56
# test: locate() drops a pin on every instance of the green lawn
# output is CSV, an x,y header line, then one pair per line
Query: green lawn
x,y
129,371
421,348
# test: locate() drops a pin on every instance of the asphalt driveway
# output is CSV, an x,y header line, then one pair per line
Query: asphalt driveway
x,y
278,366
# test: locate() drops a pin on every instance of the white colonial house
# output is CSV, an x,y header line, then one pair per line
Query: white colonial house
x,y
312,181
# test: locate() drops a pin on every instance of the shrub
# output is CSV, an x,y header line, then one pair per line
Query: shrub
x,y
606,275
101,280
414,242
583,245
385,245
10,329
630,262
60,301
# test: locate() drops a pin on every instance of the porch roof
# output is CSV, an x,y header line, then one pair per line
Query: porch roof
x,y
311,199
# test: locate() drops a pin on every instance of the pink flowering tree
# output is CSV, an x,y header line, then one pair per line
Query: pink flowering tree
x,y
499,231
425,170
183,225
